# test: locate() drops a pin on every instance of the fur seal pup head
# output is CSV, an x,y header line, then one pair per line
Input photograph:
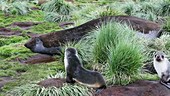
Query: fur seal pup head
x,y
70,51
75,72
159,56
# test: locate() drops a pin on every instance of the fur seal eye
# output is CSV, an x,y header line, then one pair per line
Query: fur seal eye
x,y
162,57
155,55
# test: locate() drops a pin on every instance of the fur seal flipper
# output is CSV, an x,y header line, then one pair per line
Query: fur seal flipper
x,y
165,84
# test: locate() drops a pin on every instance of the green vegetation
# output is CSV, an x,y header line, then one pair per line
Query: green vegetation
x,y
57,10
35,90
116,45
13,49
112,49
9,40
45,27
125,60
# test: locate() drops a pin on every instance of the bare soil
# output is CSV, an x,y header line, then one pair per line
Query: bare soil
x,y
37,59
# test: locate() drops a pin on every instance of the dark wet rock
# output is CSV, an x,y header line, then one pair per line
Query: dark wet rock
x,y
4,80
39,58
9,32
25,25
55,39
139,88
57,82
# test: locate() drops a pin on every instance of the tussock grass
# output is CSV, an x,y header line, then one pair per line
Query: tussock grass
x,y
58,6
108,35
57,10
84,49
162,43
36,90
150,10
117,46
125,60
15,8
55,17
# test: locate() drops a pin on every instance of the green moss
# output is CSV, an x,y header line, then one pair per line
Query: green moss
x,y
9,40
13,49
7,72
35,16
24,74
45,27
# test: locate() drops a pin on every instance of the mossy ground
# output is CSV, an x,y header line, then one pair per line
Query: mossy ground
x,y
13,47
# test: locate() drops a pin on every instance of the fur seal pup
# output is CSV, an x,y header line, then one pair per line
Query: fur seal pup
x,y
75,72
162,67
39,47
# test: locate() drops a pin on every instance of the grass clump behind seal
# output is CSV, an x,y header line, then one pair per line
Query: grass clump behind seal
x,y
124,61
117,47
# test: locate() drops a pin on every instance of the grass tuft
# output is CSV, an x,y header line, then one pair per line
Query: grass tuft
x,y
125,60
36,90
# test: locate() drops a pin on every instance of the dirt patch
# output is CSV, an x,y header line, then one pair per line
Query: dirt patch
x,y
39,58
24,25
4,80
9,32
35,8
139,88
57,82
